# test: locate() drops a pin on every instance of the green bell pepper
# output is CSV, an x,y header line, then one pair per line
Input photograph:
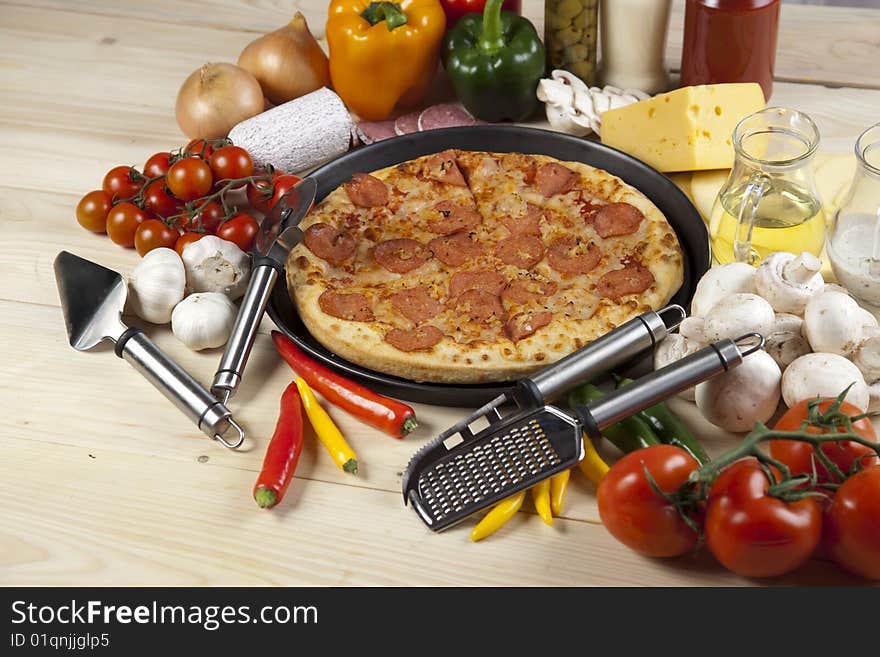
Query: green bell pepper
x,y
495,61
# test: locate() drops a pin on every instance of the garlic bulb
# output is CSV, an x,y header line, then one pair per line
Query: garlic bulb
x,y
157,285
203,320
216,265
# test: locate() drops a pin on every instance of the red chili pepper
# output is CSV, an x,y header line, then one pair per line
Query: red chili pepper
x,y
393,417
283,451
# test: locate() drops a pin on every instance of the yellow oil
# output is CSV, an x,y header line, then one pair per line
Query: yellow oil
x,y
789,218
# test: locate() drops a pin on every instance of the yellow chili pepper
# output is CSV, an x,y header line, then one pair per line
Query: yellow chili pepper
x,y
558,486
326,431
541,497
500,514
592,464
383,53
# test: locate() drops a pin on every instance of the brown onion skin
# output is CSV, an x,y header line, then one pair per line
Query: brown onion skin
x,y
215,98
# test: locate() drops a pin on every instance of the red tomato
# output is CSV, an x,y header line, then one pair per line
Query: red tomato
x,y
199,148
159,202
259,193
187,238
799,456
241,229
122,182
189,178
230,162
208,218
92,210
852,524
153,234
754,534
157,165
283,184
123,221
633,512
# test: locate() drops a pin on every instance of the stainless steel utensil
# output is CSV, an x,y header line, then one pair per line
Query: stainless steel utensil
x,y
279,233
447,481
92,299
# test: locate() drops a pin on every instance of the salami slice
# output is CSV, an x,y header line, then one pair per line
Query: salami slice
x,y
443,167
407,124
353,307
401,255
329,243
552,178
523,290
527,224
634,278
456,249
617,219
448,217
366,191
446,115
417,339
525,324
416,304
479,306
490,281
569,255
523,251
372,131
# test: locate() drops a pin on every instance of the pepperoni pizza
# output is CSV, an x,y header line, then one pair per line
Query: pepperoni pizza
x,y
468,267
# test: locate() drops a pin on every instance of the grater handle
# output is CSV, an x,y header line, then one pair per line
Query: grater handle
x,y
667,381
613,348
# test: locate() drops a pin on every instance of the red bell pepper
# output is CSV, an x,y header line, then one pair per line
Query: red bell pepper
x,y
455,9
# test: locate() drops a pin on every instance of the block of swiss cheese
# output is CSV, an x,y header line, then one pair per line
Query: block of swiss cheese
x,y
689,129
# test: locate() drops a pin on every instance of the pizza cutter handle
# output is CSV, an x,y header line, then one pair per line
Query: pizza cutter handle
x,y
613,348
238,348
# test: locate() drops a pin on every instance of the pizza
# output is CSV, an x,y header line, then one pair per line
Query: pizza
x,y
471,267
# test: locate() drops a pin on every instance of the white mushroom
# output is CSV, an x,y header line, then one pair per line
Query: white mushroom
x,y
833,323
738,398
675,347
692,328
736,315
867,359
788,281
823,375
719,282
786,340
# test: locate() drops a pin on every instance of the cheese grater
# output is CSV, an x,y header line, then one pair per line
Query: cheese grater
x,y
453,477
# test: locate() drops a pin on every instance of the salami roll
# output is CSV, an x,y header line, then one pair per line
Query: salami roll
x,y
299,134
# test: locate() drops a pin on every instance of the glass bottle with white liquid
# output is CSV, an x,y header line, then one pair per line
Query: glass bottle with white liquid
x,y
854,241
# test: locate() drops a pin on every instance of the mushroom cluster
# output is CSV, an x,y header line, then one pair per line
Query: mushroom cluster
x,y
818,340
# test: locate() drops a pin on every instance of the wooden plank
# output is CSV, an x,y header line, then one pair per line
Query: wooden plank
x,y
93,516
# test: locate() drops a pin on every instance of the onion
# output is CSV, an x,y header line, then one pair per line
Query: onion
x,y
215,98
288,63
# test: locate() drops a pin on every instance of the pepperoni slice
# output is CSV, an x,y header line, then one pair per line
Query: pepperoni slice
x,y
569,255
479,305
528,224
523,325
452,218
617,219
416,304
365,191
353,307
488,281
553,178
519,162
443,167
456,249
523,290
401,255
330,243
523,251
417,339
632,279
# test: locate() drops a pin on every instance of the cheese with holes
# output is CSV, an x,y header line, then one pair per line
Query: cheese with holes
x,y
688,129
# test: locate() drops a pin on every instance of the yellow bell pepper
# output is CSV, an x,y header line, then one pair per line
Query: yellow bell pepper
x,y
500,514
541,498
558,486
326,430
592,464
383,53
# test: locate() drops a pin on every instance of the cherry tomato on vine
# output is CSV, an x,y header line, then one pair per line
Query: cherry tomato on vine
x,y
153,234
635,514
207,218
189,178
92,210
187,238
157,165
230,162
799,456
754,534
852,524
199,148
283,184
122,182
159,202
259,193
123,221
241,229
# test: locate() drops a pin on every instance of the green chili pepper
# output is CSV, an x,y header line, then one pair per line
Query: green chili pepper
x,y
629,434
495,60
670,429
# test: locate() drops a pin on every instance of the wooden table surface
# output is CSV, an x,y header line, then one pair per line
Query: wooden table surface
x,y
105,483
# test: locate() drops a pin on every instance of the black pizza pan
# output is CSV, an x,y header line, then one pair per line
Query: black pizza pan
x,y
679,211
